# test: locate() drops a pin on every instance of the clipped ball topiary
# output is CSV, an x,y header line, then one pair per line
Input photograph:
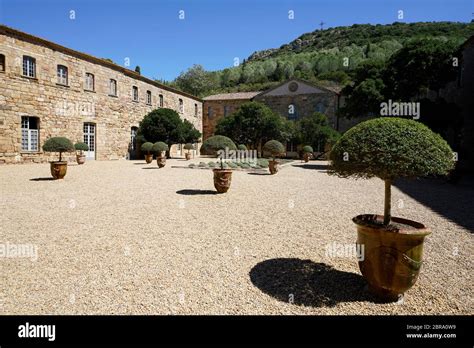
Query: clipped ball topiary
x,y
188,146
58,144
274,147
147,147
81,147
307,149
242,147
390,148
215,143
159,147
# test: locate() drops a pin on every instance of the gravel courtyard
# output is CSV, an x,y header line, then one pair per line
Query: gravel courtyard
x,y
123,237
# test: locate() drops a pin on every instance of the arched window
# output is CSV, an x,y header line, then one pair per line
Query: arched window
x,y
29,133
226,110
320,107
161,101
113,88
135,93
2,62
62,75
181,106
29,66
89,85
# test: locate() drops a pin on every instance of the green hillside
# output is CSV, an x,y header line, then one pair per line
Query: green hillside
x,y
323,56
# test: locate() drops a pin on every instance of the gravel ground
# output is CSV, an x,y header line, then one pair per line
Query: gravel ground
x,y
123,237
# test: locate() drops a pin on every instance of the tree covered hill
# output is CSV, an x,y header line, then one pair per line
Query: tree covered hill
x,y
327,57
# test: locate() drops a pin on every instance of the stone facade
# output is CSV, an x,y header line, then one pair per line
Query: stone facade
x,y
65,109
292,99
217,106
299,100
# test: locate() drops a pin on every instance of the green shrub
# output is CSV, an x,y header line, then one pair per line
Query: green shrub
x,y
262,162
253,165
159,147
218,142
147,147
192,165
307,149
211,165
245,166
81,147
232,165
202,165
390,148
58,144
274,147
242,147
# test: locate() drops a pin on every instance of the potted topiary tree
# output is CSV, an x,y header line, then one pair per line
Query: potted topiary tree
x,y
189,147
58,144
307,153
147,147
81,147
211,146
160,147
276,149
390,148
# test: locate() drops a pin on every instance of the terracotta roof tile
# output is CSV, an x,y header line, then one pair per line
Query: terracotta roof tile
x,y
232,96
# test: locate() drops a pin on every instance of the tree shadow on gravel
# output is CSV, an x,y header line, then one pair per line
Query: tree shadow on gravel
x,y
454,202
312,166
311,284
257,173
151,168
196,192
43,179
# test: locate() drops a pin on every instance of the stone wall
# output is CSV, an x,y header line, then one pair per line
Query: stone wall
x,y
62,110
304,105
217,106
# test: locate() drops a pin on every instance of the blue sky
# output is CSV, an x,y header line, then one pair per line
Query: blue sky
x,y
213,32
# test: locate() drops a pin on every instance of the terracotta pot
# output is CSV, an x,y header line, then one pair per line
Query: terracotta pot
x,y
58,169
306,157
222,179
81,159
161,161
273,166
148,159
188,156
392,259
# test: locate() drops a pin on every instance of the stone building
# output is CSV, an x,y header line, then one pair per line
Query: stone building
x,y
293,99
49,90
217,106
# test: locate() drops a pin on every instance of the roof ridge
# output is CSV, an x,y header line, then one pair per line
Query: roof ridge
x,y
85,56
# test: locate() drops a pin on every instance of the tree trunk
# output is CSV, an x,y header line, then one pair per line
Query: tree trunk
x,y
388,202
60,156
